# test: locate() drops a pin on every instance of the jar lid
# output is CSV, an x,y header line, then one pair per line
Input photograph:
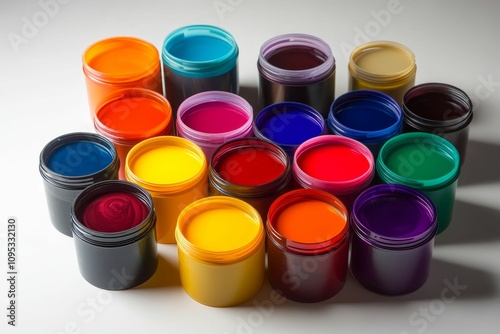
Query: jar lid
x,y
394,216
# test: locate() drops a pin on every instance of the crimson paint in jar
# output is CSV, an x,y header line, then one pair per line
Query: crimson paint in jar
x,y
251,169
113,224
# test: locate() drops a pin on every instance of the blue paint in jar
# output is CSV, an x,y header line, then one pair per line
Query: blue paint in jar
x,y
289,124
79,158
368,116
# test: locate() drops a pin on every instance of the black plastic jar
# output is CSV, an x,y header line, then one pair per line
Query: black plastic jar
x,y
113,224
69,164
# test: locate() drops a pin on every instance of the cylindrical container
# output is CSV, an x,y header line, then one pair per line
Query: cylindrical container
x,y
367,116
174,171
220,244
297,67
69,164
384,66
210,119
120,62
307,245
392,240
198,58
131,115
250,169
339,165
113,224
441,109
289,124
425,162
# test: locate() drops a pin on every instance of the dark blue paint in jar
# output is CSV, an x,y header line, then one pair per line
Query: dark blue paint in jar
x,y
69,164
368,116
289,124
198,58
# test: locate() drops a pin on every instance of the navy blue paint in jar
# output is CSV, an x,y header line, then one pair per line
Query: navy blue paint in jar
x,y
69,164
198,58
367,116
289,124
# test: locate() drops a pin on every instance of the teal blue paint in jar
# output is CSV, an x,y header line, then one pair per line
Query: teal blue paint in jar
x,y
69,164
426,162
198,58
368,116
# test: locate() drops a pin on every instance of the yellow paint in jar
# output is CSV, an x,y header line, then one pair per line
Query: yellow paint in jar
x,y
384,66
220,243
174,171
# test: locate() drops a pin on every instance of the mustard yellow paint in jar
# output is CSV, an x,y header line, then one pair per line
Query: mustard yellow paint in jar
x,y
174,171
220,243
383,66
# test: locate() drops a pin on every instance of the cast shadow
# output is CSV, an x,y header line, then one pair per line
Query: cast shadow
x,y
251,94
166,275
471,223
481,165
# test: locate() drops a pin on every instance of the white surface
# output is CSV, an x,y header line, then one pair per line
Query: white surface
x,y
43,95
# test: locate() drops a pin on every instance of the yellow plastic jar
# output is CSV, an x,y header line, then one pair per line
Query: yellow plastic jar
x,y
174,171
383,66
220,243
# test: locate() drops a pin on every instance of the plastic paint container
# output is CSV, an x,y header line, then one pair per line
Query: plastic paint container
x,y
117,63
425,162
113,224
198,58
289,124
210,119
307,245
297,67
441,109
131,115
220,243
251,169
393,238
384,66
338,165
367,116
174,171
69,164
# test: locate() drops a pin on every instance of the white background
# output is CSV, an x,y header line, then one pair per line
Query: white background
x,y
42,95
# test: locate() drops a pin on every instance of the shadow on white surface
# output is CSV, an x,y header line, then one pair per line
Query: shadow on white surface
x,y
482,164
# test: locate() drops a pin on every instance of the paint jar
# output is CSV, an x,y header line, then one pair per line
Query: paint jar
x,y
367,116
289,124
71,163
384,66
113,224
117,63
441,109
251,169
198,58
131,115
425,162
392,240
297,67
307,245
339,165
174,171
210,119
220,244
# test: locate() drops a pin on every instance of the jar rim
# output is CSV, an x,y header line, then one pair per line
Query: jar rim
x,y
386,105
286,76
369,47
80,181
212,256
391,192
151,65
299,196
